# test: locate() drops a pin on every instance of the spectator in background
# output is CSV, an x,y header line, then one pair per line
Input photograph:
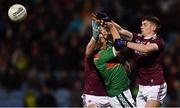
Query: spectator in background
x,y
46,99
30,98
12,79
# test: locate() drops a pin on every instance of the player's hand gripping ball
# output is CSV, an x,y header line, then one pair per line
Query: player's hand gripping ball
x,y
17,12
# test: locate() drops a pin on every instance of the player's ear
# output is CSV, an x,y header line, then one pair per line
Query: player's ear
x,y
154,27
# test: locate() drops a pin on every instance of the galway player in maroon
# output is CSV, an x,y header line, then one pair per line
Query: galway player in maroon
x,y
94,93
148,48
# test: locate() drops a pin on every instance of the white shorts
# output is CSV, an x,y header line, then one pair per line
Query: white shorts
x,y
157,92
123,100
99,101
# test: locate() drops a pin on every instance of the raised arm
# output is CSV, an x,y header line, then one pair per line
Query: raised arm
x,y
90,47
95,35
114,31
149,47
125,33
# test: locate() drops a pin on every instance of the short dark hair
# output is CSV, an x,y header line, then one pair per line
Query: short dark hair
x,y
102,16
154,20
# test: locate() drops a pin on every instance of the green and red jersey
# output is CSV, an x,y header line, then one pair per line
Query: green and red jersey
x,y
114,75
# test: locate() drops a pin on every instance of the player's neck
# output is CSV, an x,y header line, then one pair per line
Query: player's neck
x,y
149,34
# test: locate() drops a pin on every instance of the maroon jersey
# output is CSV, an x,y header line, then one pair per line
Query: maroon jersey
x,y
93,85
150,71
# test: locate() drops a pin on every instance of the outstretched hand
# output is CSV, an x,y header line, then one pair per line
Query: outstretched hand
x,y
95,29
114,32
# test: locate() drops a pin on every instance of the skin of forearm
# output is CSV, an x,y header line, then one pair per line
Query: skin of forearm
x,y
114,33
116,25
90,47
124,33
138,47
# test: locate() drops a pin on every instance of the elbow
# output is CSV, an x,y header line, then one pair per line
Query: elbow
x,y
87,53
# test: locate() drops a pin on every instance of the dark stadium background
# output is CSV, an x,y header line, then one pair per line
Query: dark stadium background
x,y
41,58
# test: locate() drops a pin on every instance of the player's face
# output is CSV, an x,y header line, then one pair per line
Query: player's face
x,y
147,28
102,38
103,31
102,42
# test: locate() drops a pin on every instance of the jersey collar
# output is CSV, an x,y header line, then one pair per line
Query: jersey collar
x,y
149,37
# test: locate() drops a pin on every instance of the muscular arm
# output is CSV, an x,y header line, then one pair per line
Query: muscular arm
x,y
149,47
90,47
114,32
125,33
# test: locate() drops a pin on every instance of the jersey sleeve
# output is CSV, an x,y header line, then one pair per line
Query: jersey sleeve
x,y
136,36
160,43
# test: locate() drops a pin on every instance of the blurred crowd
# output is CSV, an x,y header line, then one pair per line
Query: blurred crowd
x,y
41,58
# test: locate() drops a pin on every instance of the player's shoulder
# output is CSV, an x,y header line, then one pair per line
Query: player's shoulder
x,y
159,41
158,38
136,36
